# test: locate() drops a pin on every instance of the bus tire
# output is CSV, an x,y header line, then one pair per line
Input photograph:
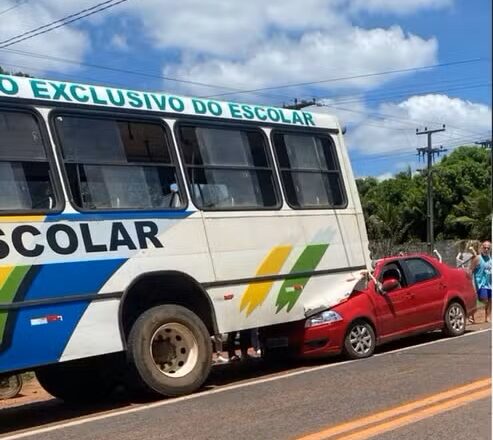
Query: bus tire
x,y
169,351
81,381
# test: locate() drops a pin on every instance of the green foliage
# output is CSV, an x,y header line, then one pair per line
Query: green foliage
x,y
395,209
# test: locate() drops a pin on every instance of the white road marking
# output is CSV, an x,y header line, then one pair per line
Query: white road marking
x,y
219,390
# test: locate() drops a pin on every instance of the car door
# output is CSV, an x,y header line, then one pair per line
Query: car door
x,y
427,289
393,309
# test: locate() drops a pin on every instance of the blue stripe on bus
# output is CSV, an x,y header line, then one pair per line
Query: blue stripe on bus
x,y
120,215
42,344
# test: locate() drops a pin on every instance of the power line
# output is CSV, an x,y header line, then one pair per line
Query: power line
x,y
406,151
408,121
115,69
19,3
97,81
400,120
63,76
346,78
144,74
202,84
119,84
61,22
410,93
390,91
394,153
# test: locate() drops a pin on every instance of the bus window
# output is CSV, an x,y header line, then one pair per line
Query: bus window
x,y
228,168
310,171
118,164
24,168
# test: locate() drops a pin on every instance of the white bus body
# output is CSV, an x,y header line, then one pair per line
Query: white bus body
x,y
114,202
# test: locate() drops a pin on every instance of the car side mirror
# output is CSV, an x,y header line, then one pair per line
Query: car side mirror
x,y
389,285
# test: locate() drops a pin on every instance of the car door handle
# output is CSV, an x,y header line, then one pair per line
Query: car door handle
x,y
409,295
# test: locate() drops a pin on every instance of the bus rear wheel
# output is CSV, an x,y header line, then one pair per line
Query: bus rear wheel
x,y
80,381
169,351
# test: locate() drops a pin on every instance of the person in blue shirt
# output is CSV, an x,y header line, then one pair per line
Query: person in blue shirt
x,y
481,270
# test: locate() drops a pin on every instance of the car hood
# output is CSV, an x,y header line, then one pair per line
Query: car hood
x,y
337,290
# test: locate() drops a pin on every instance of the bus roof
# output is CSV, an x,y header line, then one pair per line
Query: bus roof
x,y
67,93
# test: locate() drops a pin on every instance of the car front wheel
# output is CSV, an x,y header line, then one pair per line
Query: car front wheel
x,y
360,340
455,320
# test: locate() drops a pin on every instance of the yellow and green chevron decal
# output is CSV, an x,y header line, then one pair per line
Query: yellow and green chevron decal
x,y
256,293
10,281
291,288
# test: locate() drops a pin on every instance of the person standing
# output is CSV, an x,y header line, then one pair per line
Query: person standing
x,y
245,341
465,256
218,345
481,270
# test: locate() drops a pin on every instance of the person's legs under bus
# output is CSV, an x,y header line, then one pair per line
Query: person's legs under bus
x,y
231,345
245,342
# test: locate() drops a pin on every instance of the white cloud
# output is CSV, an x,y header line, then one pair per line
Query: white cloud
x,y
393,131
226,28
239,44
66,42
314,56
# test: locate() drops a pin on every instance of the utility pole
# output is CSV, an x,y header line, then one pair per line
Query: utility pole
x,y
488,144
430,153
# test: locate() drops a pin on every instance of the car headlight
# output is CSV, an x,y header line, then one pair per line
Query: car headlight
x,y
323,318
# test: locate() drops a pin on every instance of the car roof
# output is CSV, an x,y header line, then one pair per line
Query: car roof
x,y
423,255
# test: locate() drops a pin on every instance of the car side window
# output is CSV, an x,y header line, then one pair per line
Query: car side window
x,y
420,270
393,270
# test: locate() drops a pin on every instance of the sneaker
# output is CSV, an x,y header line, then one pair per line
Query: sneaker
x,y
221,359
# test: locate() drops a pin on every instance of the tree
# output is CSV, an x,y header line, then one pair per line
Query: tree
x,y
396,207
473,214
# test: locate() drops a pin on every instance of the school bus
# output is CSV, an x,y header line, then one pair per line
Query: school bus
x,y
136,226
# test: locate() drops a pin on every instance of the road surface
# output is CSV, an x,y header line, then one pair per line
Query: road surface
x,y
433,389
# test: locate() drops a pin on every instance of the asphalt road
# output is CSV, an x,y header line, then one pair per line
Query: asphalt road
x,y
256,402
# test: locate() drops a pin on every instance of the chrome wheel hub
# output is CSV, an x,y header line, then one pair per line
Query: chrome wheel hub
x,y
360,339
456,318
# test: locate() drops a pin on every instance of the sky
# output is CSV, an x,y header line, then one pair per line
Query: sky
x,y
384,67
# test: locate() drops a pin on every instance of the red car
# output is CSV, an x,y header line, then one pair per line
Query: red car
x,y
409,294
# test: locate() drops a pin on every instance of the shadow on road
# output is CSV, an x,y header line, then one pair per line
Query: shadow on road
x,y
40,414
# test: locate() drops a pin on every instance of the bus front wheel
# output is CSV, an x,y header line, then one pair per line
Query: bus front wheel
x,y
169,351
